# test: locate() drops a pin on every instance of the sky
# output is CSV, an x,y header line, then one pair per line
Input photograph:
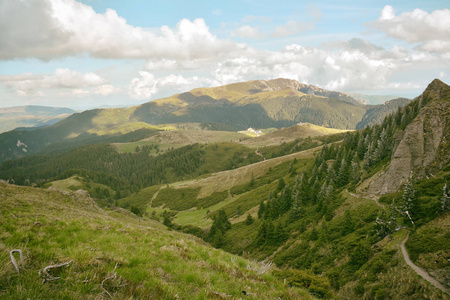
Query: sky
x,y
113,53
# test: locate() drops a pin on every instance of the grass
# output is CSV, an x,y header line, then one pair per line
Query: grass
x,y
114,254
200,217
70,183
179,136
226,180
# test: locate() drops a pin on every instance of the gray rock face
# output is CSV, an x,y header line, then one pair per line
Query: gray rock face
x,y
423,148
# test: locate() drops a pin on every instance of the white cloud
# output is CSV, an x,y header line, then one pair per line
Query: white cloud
x,y
147,84
430,30
105,90
291,28
29,84
354,44
58,28
248,32
355,64
344,69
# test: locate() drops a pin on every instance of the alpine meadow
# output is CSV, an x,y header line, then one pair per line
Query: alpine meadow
x,y
239,150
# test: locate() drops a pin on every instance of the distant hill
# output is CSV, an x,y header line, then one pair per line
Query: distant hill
x,y
376,113
31,116
371,99
358,212
259,104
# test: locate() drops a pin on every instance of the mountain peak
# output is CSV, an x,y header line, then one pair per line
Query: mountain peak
x,y
437,90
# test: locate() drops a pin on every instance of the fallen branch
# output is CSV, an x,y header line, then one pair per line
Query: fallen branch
x,y
13,260
46,276
221,295
109,278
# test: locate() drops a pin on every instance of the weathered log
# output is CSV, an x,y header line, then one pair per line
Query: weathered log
x,y
13,260
46,276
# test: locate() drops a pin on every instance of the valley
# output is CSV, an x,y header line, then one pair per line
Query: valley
x,y
325,212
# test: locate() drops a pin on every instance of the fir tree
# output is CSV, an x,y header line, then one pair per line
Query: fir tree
x,y
249,220
281,184
445,199
220,225
408,200
261,210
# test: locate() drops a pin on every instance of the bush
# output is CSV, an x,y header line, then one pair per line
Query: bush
x,y
316,285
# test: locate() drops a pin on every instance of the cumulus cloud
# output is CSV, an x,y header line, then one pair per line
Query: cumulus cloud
x,y
147,84
354,44
355,64
430,30
32,84
57,28
344,69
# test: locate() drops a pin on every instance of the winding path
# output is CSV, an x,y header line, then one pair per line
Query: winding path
x,y
259,153
419,270
372,197
156,194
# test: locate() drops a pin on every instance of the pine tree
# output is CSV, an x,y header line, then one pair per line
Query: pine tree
x,y
261,236
408,200
296,206
355,173
261,210
445,199
343,173
360,148
218,228
249,220
281,184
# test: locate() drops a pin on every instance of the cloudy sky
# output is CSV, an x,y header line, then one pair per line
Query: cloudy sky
x,y
92,53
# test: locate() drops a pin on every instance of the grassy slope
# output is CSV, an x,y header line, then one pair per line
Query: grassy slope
x,y
290,134
228,179
114,254
236,181
177,138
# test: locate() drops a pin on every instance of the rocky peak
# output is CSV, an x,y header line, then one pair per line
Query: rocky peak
x,y
422,147
436,90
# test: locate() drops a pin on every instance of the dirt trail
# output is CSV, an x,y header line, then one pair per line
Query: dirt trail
x,y
259,153
156,194
370,197
419,270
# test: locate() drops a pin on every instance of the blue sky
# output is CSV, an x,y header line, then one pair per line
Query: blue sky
x,y
95,53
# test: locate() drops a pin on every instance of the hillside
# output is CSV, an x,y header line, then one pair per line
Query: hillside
x,y
258,104
361,212
323,215
31,116
372,99
422,147
111,254
289,134
376,113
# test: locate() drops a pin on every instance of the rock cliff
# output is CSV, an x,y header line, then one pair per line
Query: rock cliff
x,y
424,147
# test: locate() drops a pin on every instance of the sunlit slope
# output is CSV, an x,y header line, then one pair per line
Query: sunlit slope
x,y
168,139
114,255
258,104
284,135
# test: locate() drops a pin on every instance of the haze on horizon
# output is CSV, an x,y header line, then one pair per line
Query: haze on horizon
x,y
92,53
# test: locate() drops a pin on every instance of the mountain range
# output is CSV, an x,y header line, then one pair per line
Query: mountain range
x,y
31,116
311,211
259,104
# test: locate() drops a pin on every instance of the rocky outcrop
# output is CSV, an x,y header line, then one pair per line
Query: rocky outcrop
x,y
424,146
